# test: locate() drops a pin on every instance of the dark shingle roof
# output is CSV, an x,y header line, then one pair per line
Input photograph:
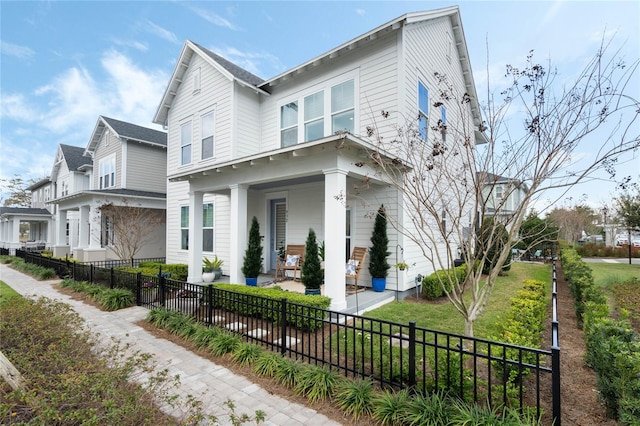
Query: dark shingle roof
x,y
133,131
24,210
74,156
235,70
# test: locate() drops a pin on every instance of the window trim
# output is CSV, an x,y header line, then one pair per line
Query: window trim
x,y
184,210
107,162
213,134
207,228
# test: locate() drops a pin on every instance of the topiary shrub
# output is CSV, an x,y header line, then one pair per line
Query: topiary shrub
x,y
433,285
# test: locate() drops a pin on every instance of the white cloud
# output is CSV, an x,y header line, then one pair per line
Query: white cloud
x,y
15,107
360,12
213,18
21,52
143,47
160,32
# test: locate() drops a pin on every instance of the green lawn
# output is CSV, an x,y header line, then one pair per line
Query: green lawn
x,y
6,293
441,315
607,274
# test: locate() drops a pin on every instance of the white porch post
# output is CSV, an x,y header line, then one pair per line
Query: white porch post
x,y
61,239
238,231
335,184
195,236
15,230
95,227
83,237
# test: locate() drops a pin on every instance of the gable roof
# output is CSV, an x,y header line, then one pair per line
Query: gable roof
x,y
233,72
126,131
75,157
31,211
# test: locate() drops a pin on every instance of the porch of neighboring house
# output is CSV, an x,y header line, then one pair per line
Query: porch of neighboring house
x,y
357,303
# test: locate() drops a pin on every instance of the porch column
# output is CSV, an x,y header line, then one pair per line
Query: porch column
x,y
95,227
335,184
61,238
15,230
83,237
238,232
195,237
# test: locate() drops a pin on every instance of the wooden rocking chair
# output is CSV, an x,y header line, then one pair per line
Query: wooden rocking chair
x,y
294,256
354,267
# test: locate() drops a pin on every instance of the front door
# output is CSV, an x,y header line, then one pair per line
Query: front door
x,y
278,229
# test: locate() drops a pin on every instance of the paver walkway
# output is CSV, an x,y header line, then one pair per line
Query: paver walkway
x,y
197,374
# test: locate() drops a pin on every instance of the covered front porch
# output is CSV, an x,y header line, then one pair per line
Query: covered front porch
x,y
289,191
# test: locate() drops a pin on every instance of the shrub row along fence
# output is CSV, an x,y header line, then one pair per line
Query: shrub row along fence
x,y
395,355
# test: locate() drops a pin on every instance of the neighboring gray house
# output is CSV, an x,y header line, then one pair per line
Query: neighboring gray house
x,y
123,164
288,149
501,196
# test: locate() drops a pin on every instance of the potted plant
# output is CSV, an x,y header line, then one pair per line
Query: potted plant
x,y
149,292
312,273
211,269
321,254
378,266
252,263
402,266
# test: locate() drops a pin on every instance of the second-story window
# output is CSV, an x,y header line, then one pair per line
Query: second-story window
x,y
185,143
423,110
443,123
108,172
314,116
207,135
289,124
342,107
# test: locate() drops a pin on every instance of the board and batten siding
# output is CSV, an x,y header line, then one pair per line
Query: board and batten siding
x,y
108,144
215,94
146,168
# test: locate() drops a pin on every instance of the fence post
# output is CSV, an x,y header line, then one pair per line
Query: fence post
x,y
555,351
139,289
112,278
283,326
163,288
412,354
209,289
91,274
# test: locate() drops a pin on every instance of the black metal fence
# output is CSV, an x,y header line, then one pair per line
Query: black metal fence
x,y
393,354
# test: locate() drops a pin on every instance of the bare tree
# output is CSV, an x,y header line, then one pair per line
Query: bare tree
x,y
532,135
16,187
573,221
127,228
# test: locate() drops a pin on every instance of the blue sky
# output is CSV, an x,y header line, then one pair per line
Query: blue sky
x,y
63,63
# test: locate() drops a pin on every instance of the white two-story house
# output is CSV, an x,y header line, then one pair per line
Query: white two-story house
x,y
501,196
290,149
122,165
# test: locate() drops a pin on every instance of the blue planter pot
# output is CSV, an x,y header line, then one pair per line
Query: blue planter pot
x,y
251,281
312,291
378,284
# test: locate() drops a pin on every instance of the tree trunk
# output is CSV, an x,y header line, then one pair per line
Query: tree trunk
x,y
468,327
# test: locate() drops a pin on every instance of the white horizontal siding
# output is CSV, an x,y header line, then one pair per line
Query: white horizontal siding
x,y
246,138
146,168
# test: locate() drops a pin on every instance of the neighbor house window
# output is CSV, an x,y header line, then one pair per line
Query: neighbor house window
x,y
342,107
207,227
443,119
185,143
207,135
314,116
184,227
289,124
108,172
499,193
423,110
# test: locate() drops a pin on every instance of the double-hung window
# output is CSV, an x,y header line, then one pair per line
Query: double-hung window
x,y
207,135
289,124
423,110
207,227
314,116
185,143
342,107
184,227
108,172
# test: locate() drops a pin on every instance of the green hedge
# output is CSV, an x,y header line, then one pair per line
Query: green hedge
x,y
178,271
613,347
433,285
304,312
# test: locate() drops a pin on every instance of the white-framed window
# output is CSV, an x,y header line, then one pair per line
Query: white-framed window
x,y
314,116
320,111
207,227
108,172
443,120
47,194
289,124
107,235
196,80
184,227
207,130
499,191
185,143
423,110
343,107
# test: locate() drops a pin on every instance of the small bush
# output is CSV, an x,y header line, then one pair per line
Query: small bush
x,y
224,343
354,397
316,383
38,272
267,364
288,373
390,408
246,353
433,285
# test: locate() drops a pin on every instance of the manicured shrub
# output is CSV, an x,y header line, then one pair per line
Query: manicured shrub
x,y
433,285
